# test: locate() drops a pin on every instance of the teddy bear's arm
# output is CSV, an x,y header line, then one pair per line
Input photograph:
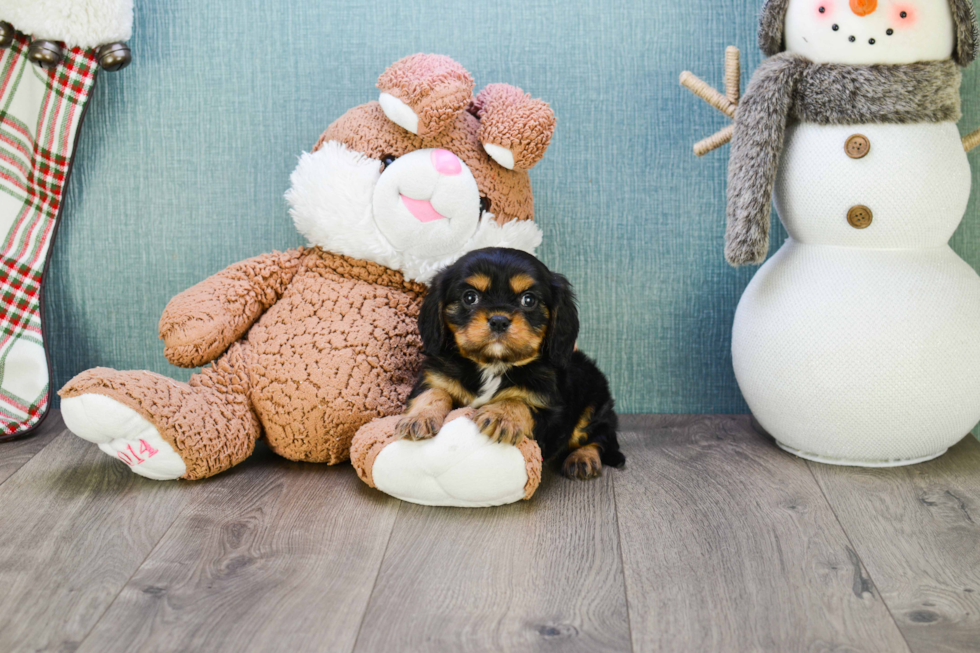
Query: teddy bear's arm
x,y
203,321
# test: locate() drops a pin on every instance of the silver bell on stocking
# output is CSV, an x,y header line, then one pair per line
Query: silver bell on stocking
x,y
114,56
7,32
46,54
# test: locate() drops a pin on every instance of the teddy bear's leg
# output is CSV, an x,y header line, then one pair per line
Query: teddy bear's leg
x,y
164,429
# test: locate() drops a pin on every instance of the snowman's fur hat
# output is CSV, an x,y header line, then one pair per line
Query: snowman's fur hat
x,y
773,20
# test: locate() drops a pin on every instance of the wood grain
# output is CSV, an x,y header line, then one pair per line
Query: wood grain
x,y
729,545
15,454
282,557
74,526
917,529
543,575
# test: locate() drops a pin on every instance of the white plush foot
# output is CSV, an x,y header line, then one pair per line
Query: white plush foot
x,y
122,433
458,467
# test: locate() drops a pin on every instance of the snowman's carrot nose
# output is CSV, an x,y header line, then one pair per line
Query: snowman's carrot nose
x,y
863,7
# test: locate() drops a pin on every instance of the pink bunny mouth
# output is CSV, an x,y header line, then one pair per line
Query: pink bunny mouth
x,y
422,210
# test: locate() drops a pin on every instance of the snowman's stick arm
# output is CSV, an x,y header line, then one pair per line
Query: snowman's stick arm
x,y
726,103
714,141
733,74
699,87
971,141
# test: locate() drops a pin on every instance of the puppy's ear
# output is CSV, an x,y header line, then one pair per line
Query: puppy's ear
x,y
563,328
432,322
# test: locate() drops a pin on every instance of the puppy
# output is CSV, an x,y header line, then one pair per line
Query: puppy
x,y
498,332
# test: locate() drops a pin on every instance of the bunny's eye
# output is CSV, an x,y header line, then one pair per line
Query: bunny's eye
x,y
386,161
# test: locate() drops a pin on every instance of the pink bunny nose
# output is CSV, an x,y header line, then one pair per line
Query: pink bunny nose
x,y
446,163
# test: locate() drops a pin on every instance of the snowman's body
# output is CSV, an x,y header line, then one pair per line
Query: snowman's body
x,y
857,342
860,345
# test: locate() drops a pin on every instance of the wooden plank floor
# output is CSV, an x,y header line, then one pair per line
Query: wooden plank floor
x,y
711,539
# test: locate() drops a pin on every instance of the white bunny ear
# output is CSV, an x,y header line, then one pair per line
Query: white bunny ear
x,y
399,113
501,155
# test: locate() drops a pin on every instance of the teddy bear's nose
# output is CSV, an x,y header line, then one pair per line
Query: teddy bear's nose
x,y
864,7
446,163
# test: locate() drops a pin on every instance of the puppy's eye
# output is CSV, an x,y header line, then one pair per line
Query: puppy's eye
x,y
528,300
484,204
386,161
471,297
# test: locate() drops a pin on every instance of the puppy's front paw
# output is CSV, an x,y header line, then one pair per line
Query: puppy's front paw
x,y
506,421
583,463
420,426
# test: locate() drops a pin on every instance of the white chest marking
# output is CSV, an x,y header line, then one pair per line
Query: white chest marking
x,y
488,387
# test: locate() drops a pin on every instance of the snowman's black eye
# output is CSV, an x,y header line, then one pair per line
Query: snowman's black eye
x,y
386,161
904,14
851,39
890,31
871,41
823,9
836,27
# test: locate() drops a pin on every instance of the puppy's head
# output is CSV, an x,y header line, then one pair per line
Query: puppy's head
x,y
500,306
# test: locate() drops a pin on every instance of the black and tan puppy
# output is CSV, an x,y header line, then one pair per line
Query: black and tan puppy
x,y
498,331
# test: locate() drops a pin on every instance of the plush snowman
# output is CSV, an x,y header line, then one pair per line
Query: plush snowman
x,y
858,341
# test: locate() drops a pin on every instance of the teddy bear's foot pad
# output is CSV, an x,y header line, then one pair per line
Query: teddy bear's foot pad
x,y
122,433
458,467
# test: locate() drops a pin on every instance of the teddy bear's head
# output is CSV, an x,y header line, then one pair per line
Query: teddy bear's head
x,y
426,173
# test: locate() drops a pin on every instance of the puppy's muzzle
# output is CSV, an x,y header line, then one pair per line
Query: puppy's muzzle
x,y
498,323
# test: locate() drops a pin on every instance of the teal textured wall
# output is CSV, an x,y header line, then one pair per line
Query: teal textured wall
x,y
186,154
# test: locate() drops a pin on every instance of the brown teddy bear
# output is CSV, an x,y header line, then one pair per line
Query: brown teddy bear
x,y
308,345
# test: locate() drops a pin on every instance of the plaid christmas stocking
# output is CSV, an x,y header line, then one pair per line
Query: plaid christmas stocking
x,y
48,62
41,111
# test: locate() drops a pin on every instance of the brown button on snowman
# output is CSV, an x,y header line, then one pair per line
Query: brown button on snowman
x,y
857,342
857,146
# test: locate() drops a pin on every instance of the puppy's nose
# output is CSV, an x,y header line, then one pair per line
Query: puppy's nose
x,y
446,163
499,323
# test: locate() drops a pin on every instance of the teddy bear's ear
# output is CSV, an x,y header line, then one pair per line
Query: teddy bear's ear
x,y
424,93
515,129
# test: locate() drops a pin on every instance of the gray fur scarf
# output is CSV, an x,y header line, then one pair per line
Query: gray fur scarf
x,y
789,87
